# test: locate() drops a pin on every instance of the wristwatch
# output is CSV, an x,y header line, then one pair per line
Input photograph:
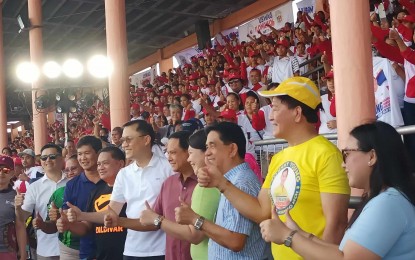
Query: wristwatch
x,y
199,222
158,220
288,241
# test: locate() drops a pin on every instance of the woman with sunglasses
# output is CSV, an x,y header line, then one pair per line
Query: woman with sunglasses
x,y
10,230
384,226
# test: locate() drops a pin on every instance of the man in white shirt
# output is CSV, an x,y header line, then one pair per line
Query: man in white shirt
x,y
37,197
32,171
135,184
283,66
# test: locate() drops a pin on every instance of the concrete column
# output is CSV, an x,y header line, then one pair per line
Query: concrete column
x,y
352,63
117,52
166,64
51,115
36,57
3,108
14,133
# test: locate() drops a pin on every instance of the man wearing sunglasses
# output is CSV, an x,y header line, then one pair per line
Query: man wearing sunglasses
x,y
236,85
37,197
7,214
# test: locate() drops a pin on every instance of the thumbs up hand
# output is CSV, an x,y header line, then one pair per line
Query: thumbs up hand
x,y
62,224
18,199
53,212
111,218
74,213
274,230
290,223
148,216
184,214
38,221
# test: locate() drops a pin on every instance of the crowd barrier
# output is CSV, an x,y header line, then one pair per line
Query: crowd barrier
x,y
269,147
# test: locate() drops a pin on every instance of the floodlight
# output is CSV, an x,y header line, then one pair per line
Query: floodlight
x,y
27,72
73,68
100,66
52,69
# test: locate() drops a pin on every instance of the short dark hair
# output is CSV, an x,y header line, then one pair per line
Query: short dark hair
x,y
105,130
73,157
198,140
142,127
310,114
187,96
230,133
8,149
183,137
117,129
115,152
54,146
90,140
255,70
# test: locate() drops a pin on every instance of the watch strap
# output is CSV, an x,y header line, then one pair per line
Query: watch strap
x,y
199,222
288,241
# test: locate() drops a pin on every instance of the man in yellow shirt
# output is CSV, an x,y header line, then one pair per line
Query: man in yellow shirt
x,y
316,185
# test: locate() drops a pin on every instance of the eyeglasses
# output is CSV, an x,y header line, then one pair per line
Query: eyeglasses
x,y
71,169
5,170
233,81
51,156
128,139
345,153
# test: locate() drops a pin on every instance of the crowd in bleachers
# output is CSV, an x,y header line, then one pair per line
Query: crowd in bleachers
x,y
184,180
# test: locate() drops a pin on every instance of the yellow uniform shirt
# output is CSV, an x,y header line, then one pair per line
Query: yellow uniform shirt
x,y
305,170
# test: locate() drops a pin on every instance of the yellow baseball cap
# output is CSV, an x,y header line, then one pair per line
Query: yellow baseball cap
x,y
300,88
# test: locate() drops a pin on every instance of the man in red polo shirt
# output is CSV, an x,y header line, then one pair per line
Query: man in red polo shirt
x,y
178,187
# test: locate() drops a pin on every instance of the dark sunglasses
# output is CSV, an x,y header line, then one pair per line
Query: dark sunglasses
x,y
51,156
345,153
5,170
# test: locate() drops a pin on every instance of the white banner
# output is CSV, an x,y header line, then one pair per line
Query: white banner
x,y
229,34
138,78
276,18
307,6
389,91
185,56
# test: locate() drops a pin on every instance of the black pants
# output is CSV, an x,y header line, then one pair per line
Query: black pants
x,y
160,257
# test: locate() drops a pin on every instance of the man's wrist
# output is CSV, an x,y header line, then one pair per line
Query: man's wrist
x,y
223,185
80,216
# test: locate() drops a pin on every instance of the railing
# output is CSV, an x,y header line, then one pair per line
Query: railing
x,y
280,144
317,69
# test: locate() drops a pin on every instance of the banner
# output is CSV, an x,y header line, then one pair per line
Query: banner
x,y
185,56
138,78
228,34
276,18
389,92
307,6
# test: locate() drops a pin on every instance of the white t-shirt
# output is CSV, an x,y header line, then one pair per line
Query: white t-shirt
x,y
134,185
36,199
31,172
325,116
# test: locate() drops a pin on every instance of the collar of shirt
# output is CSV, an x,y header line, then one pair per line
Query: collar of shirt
x,y
45,177
236,170
180,177
152,163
